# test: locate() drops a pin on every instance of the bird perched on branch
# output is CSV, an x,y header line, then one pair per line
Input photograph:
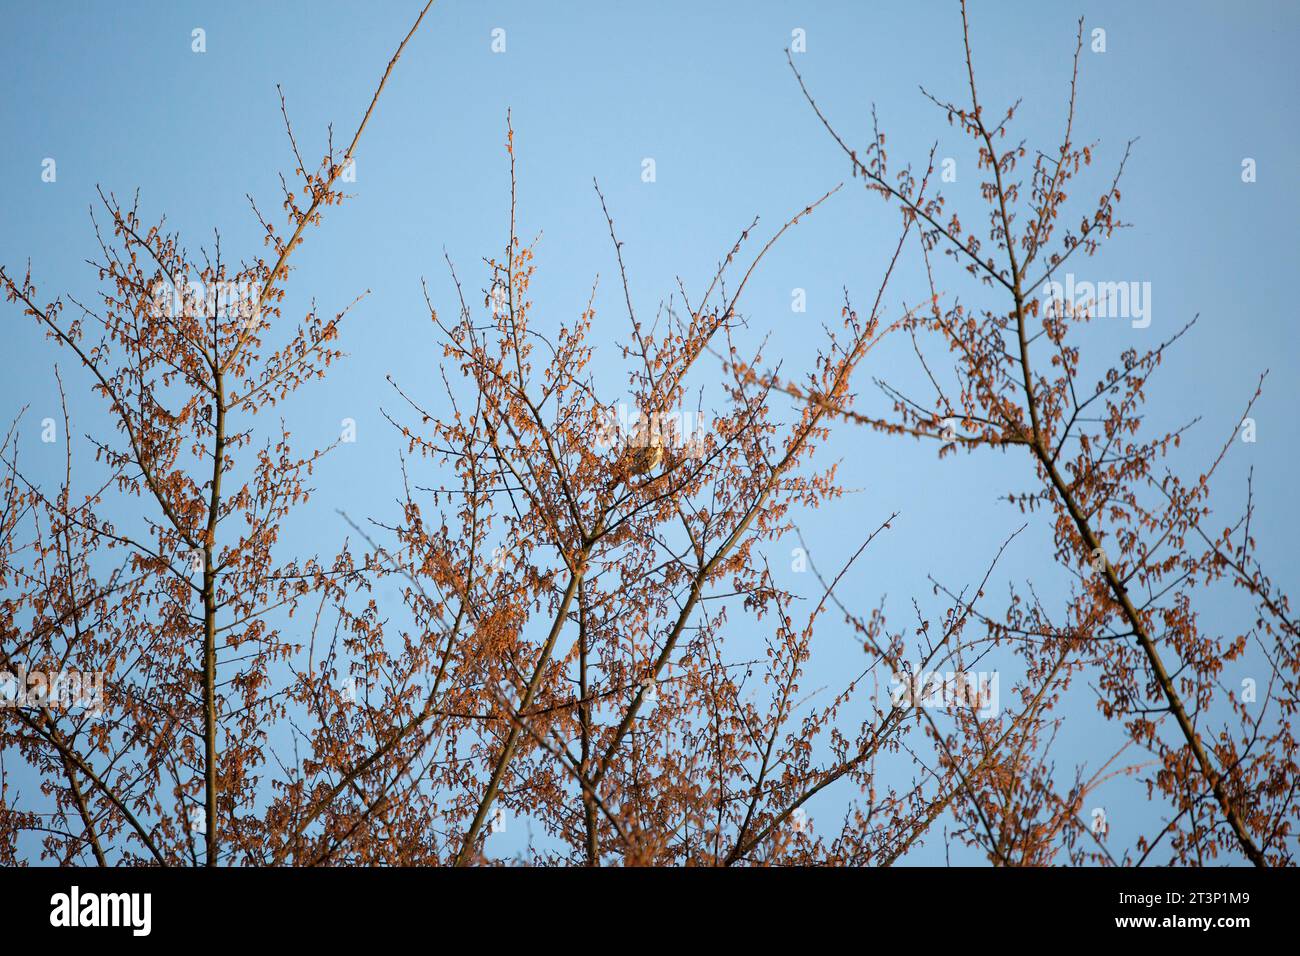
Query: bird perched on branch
x,y
645,458
642,454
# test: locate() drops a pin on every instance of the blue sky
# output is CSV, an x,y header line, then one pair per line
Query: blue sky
x,y
115,95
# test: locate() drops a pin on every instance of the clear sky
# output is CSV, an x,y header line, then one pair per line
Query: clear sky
x,y
116,96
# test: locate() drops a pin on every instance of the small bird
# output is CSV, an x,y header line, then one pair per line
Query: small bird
x,y
645,458
641,456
